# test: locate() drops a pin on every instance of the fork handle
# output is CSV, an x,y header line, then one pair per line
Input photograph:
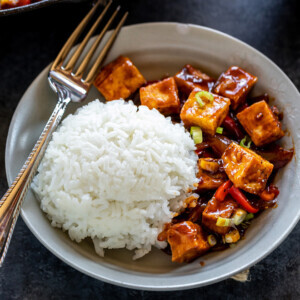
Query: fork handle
x,y
11,202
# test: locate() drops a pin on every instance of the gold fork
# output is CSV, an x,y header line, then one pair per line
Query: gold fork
x,y
70,84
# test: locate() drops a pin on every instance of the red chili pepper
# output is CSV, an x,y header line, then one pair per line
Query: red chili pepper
x,y
270,193
230,125
240,198
223,190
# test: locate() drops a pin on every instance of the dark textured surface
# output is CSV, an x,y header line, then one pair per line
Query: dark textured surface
x,y
28,43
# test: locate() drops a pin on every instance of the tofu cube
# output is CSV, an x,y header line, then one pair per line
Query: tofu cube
x,y
209,180
235,84
119,79
246,169
162,95
209,116
187,241
260,123
188,78
215,209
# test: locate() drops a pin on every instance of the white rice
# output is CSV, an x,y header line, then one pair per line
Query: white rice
x,y
116,174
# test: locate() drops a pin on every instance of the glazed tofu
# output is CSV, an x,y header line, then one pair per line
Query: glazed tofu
x,y
209,116
260,123
216,209
187,241
246,169
209,179
188,78
119,79
235,84
162,95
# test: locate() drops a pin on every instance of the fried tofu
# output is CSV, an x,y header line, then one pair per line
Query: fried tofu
x,y
119,79
209,116
187,241
235,84
215,209
209,180
260,123
246,169
189,78
162,95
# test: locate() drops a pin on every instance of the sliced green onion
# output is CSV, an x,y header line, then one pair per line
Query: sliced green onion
x,y
233,245
224,222
211,240
232,236
239,216
219,130
244,140
200,96
249,217
196,134
199,100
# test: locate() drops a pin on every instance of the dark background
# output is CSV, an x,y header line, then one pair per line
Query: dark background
x,y
29,42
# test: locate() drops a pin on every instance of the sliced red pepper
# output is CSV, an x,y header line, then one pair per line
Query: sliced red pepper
x,y
230,125
223,190
240,198
270,193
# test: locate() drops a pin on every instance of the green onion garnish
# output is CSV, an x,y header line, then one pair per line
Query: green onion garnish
x,y
219,130
224,222
239,216
244,140
211,240
196,134
200,96
249,217
199,100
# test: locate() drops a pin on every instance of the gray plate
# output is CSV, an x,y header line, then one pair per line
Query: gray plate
x,y
157,49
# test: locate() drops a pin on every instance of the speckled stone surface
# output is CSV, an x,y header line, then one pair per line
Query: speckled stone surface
x,y
28,43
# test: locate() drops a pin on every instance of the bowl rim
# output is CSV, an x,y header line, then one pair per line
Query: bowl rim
x,y
131,283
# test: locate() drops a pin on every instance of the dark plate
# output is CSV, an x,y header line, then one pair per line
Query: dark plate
x,y
33,6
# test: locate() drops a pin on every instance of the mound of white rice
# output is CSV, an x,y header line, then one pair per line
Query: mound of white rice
x,y
116,174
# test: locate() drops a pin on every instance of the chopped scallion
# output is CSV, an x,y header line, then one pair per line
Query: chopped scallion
x,y
224,222
199,100
219,130
196,134
239,216
211,240
232,236
249,217
244,140
203,95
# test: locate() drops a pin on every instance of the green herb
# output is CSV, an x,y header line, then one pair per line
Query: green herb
x,y
224,222
239,216
249,217
244,140
196,134
203,95
211,240
219,130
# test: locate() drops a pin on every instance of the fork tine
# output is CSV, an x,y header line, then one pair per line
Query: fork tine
x,y
71,63
94,70
72,39
89,55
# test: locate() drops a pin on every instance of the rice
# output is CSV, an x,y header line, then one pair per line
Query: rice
x,y
116,173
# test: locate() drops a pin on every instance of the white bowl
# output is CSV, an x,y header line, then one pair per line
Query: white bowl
x,y
157,49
